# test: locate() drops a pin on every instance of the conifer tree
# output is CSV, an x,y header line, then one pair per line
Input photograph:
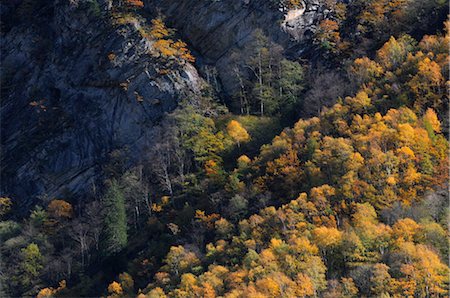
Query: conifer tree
x,y
115,220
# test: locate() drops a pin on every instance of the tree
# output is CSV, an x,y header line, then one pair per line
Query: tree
x,y
264,70
432,233
290,85
243,161
164,45
423,267
394,52
162,158
326,238
381,279
427,85
360,103
268,286
328,37
197,134
51,292
5,206
127,282
223,228
365,70
156,293
179,260
430,119
115,289
115,220
79,231
60,209
134,3
32,262
237,132
237,206
305,286
405,229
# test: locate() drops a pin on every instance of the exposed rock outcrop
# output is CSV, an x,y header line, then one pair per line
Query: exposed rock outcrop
x,y
74,89
220,31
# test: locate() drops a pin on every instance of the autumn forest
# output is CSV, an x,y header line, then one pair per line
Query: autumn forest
x,y
321,172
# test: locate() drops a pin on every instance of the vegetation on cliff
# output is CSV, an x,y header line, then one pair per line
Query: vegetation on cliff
x,y
347,203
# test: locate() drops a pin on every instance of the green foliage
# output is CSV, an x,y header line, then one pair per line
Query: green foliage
x,y
9,229
291,84
115,220
31,264
38,216
199,135
94,8
238,206
275,83
344,204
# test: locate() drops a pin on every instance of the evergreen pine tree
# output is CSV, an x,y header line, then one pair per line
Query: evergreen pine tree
x,y
115,220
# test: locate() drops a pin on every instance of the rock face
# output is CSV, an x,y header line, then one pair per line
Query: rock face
x,y
222,30
74,89
302,21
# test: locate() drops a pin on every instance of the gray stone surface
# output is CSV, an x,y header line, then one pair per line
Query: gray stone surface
x,y
64,107
82,112
221,30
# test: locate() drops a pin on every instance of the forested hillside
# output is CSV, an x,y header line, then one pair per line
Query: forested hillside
x,y
224,148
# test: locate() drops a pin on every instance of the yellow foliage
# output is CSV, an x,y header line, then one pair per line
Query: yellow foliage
x,y
275,243
158,29
305,287
165,46
391,54
364,69
431,118
156,293
243,160
391,180
405,229
50,292
269,286
208,291
126,281
211,167
45,293
411,176
165,200
188,280
292,4
425,270
115,288
360,102
431,71
327,237
5,205
237,132
156,208
406,151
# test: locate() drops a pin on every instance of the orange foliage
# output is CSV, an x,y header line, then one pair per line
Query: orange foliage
x,y
115,288
165,46
135,3
60,209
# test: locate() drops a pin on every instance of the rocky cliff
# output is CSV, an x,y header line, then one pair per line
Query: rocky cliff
x,y
221,31
75,87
